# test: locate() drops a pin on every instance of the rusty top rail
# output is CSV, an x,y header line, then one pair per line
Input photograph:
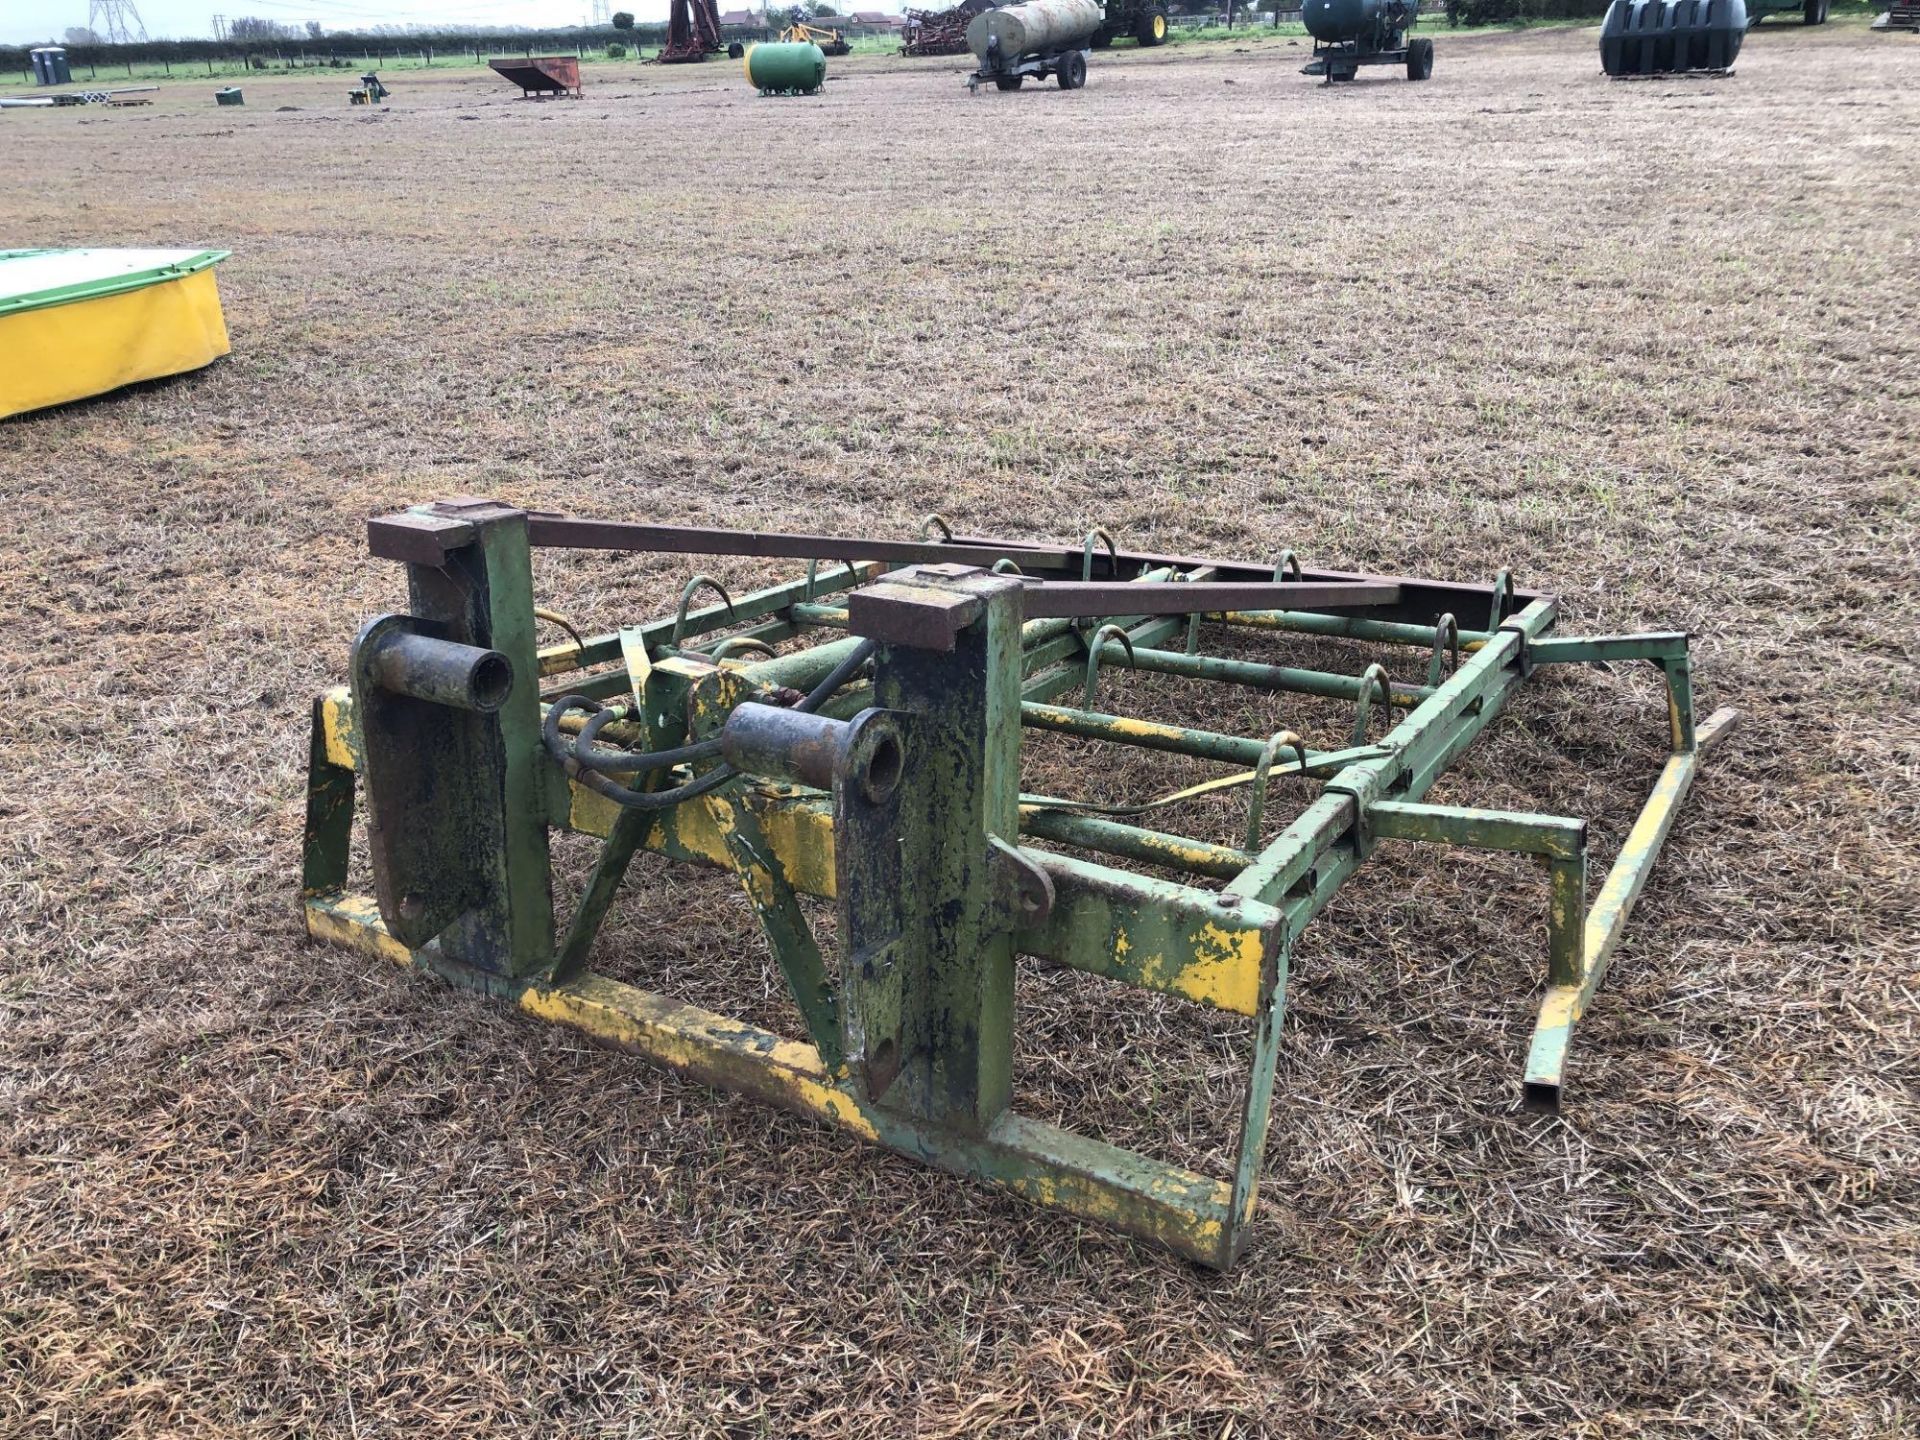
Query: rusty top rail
x,y
423,537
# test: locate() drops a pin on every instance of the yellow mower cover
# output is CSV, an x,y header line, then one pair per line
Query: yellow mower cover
x,y
75,323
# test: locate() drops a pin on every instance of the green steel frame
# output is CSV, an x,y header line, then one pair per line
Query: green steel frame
x,y
899,800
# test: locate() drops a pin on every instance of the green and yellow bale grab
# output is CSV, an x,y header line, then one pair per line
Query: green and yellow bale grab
x,y
855,735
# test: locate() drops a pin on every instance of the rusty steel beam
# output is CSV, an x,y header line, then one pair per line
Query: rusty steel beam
x,y
570,532
1084,599
426,538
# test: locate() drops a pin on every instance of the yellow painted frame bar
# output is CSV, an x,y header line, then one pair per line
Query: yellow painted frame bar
x,y
1564,1004
1159,935
1187,1212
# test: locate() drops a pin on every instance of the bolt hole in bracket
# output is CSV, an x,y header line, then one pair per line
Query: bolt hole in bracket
x,y
906,814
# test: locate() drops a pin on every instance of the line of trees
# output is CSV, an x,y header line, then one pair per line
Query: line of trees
x,y
1506,12
241,44
248,36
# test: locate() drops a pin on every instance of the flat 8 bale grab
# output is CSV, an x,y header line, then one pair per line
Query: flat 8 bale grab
x,y
855,735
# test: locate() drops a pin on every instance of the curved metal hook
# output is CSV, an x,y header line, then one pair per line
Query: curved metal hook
x,y
936,521
1257,793
1502,593
1374,677
1099,532
554,617
1446,635
693,588
1100,638
1005,566
1288,567
813,570
728,647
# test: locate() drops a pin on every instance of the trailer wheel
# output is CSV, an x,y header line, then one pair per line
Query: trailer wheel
x,y
1814,12
1072,73
1420,55
1151,28
1009,82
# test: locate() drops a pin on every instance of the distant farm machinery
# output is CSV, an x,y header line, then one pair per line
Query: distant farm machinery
x,y
856,735
1350,33
831,40
693,33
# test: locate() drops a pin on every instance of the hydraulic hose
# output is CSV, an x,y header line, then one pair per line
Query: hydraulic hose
x,y
595,767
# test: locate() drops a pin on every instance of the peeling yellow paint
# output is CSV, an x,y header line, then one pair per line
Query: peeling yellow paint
x,y
1121,1208
1176,1207
1223,969
336,726
590,814
1561,1007
353,921
698,1043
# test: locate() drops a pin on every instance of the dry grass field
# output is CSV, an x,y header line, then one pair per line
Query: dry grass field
x,y
1653,345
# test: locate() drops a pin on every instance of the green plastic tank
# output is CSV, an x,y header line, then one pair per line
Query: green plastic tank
x,y
780,68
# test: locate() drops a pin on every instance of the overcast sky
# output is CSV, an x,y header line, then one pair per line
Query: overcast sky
x,y
180,19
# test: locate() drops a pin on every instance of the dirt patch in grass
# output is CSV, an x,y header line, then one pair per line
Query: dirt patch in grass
x,y
1650,344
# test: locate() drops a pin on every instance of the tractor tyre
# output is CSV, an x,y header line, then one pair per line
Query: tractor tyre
x,y
1009,82
1101,39
1072,71
1814,12
1151,28
1420,55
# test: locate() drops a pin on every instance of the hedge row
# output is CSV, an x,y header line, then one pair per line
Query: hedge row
x,y
350,46
1506,12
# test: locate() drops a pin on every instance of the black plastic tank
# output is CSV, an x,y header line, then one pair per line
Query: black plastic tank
x,y
1666,37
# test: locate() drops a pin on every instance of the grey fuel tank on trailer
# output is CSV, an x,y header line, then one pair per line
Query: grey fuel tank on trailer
x,y
1038,25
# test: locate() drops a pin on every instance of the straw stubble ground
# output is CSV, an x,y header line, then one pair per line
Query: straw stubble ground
x,y
1652,345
